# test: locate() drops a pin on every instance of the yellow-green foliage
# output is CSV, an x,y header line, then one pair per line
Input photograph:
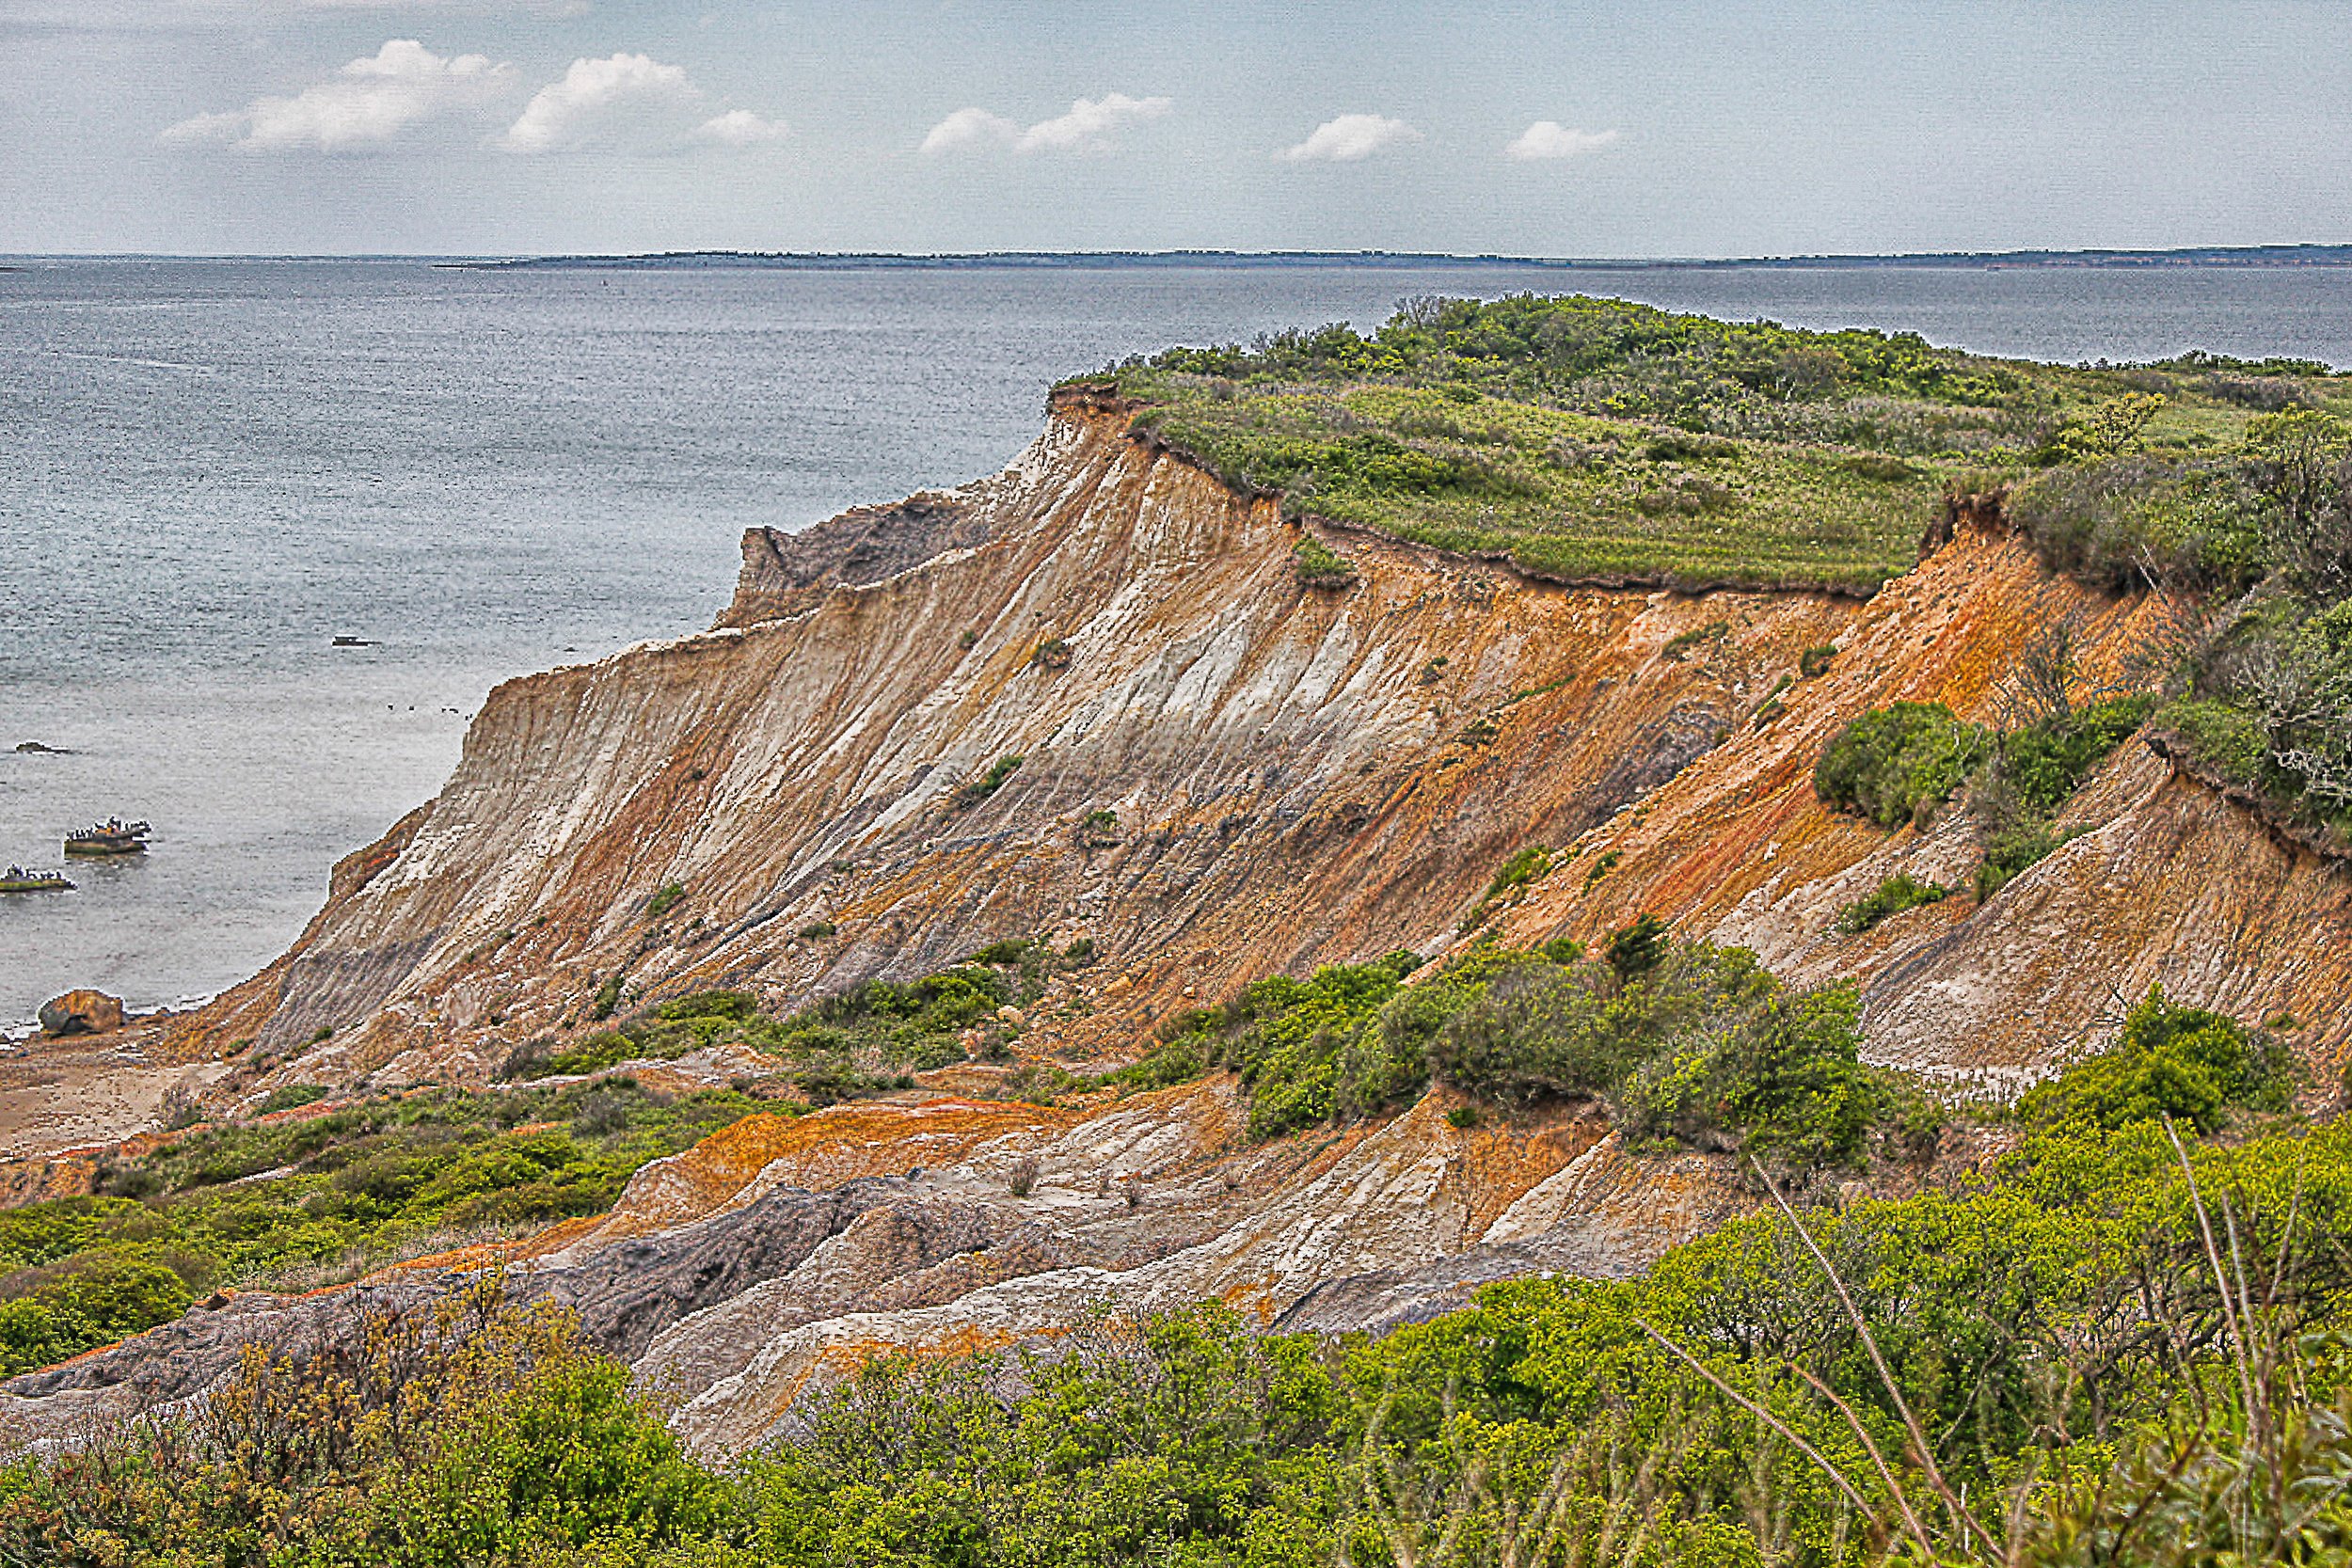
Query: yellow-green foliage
x,y
323,1197
1597,438
1690,1044
2057,1335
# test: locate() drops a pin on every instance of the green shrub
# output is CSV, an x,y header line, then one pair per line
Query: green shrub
x,y
1680,645
2228,740
1055,652
300,1203
608,998
1783,1079
1307,1049
1638,948
733,1005
1528,864
1891,896
469,1431
2011,851
1319,565
2045,763
289,1097
1896,765
669,897
989,783
2123,523
819,930
2184,1063
1815,661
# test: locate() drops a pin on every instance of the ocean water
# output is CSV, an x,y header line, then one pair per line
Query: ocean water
x,y
211,469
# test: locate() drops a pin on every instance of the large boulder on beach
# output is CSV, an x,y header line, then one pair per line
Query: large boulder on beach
x,y
80,1012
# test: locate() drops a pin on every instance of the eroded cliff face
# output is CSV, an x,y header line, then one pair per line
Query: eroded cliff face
x,y
1295,774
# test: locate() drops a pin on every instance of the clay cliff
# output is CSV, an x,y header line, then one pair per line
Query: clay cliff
x,y
1297,775
1293,776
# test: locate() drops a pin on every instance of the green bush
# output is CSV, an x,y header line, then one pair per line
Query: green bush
x,y
2123,523
2228,740
732,1005
2054,1330
1319,565
1680,645
469,1432
2009,851
667,898
1638,948
310,1201
1528,864
2045,763
288,1096
2184,1063
1307,1049
1891,897
989,783
1815,661
608,998
1896,765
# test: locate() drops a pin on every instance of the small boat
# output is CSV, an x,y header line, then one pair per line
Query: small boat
x,y
113,836
18,879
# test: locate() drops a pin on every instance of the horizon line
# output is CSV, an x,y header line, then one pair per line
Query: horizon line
x,y
2306,253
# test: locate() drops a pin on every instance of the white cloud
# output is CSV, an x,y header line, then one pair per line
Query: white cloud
x,y
620,99
1548,138
971,128
366,103
1350,138
1090,126
631,103
740,127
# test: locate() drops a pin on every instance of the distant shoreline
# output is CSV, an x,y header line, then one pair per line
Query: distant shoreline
x,y
2206,256
2267,256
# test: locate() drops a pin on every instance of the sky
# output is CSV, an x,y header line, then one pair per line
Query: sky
x,y
1667,128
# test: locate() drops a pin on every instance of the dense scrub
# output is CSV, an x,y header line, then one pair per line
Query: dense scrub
x,y
865,1041
2042,1369
1593,437
303,1202
1689,1044
2251,540
1902,764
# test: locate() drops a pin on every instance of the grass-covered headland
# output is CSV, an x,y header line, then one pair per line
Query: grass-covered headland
x,y
1597,439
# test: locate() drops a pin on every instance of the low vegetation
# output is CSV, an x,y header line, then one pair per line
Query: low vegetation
x,y
2120,1345
1689,1045
2249,542
864,1041
1891,897
1321,567
1593,438
307,1201
1902,764
1897,765
989,783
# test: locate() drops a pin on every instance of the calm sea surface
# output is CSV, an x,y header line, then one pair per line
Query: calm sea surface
x,y
209,471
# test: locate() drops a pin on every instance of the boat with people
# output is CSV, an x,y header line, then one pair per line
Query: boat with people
x,y
113,836
18,879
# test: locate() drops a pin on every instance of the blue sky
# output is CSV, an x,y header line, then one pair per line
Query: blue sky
x,y
1678,127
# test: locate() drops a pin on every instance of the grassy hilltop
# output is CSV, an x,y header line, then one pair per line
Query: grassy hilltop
x,y
1592,439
